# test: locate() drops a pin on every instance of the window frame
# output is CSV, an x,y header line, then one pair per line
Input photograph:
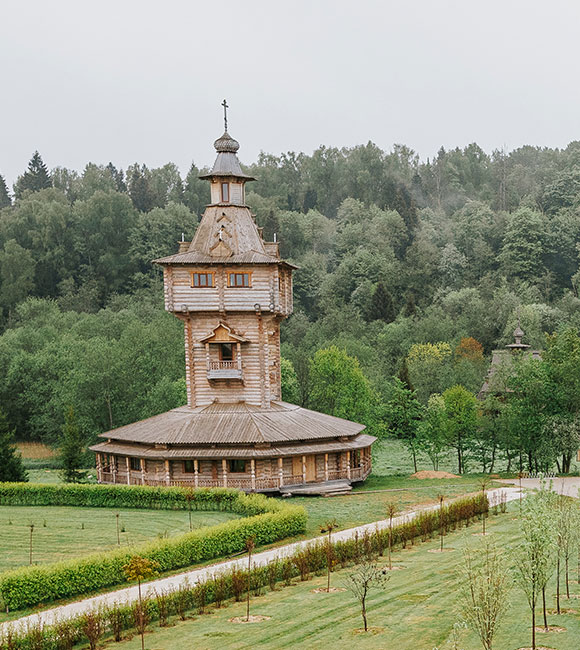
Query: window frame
x,y
239,286
225,196
134,461
232,463
207,274
185,467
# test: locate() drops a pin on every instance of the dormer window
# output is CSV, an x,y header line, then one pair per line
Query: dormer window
x,y
225,192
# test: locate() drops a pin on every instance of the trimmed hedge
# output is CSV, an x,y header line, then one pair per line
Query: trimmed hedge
x,y
133,496
233,584
267,520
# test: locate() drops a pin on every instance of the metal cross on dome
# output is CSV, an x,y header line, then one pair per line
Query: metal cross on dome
x,y
225,105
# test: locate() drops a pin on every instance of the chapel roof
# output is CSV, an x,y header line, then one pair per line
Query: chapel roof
x,y
235,423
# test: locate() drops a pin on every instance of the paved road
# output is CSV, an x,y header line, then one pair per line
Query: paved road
x,y
130,594
567,486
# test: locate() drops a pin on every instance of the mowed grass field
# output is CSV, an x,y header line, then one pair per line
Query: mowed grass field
x,y
62,533
369,502
416,610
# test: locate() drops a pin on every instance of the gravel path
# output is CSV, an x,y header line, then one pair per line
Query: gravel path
x,y
130,594
568,486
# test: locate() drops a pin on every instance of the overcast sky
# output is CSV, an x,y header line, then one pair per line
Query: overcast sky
x,y
128,80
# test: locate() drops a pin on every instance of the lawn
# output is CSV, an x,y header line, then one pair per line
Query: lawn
x,y
416,610
369,502
62,533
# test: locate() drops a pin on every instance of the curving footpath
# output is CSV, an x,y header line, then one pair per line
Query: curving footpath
x,y
130,594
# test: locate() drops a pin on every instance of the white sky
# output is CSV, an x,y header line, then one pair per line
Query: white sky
x,y
142,80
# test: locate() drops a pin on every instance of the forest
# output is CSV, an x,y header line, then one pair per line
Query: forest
x,y
410,273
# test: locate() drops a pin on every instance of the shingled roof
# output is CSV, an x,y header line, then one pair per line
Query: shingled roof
x,y
235,424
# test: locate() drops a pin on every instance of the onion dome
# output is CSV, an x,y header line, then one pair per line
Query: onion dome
x,y
226,144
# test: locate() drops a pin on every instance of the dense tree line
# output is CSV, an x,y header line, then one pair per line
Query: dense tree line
x,y
399,260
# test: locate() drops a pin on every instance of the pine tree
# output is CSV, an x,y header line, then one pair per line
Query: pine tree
x,y
4,196
140,191
71,450
35,178
11,467
118,178
381,307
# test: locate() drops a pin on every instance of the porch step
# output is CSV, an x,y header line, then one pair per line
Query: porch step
x,y
328,488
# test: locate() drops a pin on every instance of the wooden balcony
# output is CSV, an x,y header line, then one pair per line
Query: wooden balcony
x,y
224,369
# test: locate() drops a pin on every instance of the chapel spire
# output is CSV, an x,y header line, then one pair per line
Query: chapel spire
x,y
226,164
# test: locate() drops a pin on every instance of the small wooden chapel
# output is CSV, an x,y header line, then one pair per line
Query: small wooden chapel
x,y
232,290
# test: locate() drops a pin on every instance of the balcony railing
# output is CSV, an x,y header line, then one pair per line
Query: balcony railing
x,y
224,370
233,481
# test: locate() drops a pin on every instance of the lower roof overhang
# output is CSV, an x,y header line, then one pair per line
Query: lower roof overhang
x,y
121,448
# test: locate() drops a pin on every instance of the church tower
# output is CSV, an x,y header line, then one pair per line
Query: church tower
x,y
231,290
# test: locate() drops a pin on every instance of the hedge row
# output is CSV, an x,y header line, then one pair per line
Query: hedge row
x,y
133,496
28,586
312,559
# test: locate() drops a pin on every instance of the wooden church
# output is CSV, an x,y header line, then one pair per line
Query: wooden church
x,y
232,290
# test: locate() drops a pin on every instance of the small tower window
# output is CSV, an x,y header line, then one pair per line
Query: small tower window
x,y
225,192
238,279
201,279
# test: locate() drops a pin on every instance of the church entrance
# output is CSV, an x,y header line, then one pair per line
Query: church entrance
x,y
310,469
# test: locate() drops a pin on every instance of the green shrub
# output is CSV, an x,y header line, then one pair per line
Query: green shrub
x,y
267,520
134,496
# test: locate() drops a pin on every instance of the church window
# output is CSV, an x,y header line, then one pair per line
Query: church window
x,y
237,466
226,351
201,279
238,279
188,467
225,192
135,464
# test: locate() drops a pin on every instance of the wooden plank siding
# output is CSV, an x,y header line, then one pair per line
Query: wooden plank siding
x,y
269,286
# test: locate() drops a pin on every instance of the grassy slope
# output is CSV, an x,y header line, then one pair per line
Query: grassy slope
x,y
63,537
417,611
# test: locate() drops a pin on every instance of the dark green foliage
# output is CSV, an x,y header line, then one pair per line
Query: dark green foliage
x,y
381,307
139,187
35,178
5,200
11,467
71,450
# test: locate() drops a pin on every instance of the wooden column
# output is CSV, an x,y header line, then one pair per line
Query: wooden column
x,y
225,471
253,471
326,467
239,356
303,469
143,470
99,469
128,466
189,363
167,472
348,465
196,472
114,468
281,471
